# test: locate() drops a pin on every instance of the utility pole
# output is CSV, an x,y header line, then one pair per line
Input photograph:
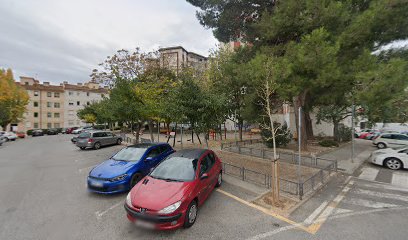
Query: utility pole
x,y
352,131
300,146
181,135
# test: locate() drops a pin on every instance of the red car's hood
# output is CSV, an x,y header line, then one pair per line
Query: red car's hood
x,y
155,194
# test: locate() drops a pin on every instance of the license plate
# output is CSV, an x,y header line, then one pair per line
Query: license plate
x,y
96,184
144,224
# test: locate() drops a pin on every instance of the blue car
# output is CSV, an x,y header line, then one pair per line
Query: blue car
x,y
127,167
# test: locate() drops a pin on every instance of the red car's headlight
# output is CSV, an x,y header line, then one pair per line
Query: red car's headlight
x,y
171,208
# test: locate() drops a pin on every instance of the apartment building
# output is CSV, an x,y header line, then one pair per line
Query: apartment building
x,y
78,96
178,57
53,106
46,106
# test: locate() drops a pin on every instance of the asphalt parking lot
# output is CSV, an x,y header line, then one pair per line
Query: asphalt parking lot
x,y
44,196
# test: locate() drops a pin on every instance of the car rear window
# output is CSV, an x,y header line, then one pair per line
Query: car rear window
x,y
84,135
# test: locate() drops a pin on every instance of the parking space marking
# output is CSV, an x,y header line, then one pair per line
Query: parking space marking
x,y
87,169
369,174
322,218
399,179
266,211
317,211
99,214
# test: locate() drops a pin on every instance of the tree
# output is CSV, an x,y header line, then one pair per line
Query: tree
x,y
227,77
284,29
13,99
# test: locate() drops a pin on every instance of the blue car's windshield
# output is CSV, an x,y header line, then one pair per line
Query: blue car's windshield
x,y
130,154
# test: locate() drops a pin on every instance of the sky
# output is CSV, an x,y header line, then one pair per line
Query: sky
x,y
60,40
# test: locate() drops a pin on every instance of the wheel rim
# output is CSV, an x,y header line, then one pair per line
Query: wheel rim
x,y
97,145
119,141
219,179
393,164
192,214
381,145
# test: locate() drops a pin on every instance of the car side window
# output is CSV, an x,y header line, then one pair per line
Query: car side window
x,y
164,148
386,136
204,165
402,137
108,134
211,159
154,152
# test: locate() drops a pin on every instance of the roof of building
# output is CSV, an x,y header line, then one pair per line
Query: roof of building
x,y
84,88
42,87
180,47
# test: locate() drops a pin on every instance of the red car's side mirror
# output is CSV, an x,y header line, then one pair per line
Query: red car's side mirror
x,y
204,176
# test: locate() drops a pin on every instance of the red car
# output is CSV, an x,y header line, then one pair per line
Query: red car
x,y
69,130
20,134
169,197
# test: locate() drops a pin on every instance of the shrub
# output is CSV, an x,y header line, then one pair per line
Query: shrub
x,y
344,133
30,132
283,135
328,143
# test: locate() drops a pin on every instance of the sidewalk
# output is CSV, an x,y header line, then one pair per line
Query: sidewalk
x,y
362,150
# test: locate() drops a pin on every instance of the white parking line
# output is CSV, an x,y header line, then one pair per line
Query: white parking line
x,y
384,186
317,211
368,203
99,214
382,195
86,169
369,174
399,179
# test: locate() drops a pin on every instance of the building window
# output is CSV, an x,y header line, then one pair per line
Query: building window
x,y
35,93
87,103
36,114
35,125
56,115
49,115
71,113
49,125
56,95
70,93
78,103
87,94
102,95
70,123
56,125
71,104
49,94
56,105
49,104
26,83
35,104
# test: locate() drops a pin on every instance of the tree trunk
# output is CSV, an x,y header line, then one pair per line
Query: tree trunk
x,y
240,123
309,126
175,135
298,101
150,124
336,136
139,126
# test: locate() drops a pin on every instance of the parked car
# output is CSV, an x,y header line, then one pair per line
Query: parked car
x,y
79,130
358,133
69,130
8,136
366,132
21,134
125,168
390,158
52,131
2,140
169,197
372,135
97,139
392,140
37,132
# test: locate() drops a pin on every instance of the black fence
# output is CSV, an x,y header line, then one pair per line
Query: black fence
x,y
299,188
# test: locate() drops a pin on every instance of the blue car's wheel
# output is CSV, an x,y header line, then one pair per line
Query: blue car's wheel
x,y
135,179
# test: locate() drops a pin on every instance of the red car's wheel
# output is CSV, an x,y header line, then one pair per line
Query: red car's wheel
x,y
191,214
219,180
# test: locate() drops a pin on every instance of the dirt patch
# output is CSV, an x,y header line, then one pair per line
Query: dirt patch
x,y
287,171
283,207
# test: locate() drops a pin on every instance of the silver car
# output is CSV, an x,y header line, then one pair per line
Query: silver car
x,y
97,139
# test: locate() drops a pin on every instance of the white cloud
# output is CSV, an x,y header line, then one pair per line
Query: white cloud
x,y
64,40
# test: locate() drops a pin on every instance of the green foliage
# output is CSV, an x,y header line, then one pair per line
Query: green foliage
x,y
344,133
328,143
283,135
30,132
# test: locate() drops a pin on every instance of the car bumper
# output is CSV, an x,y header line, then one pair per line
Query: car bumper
x,y
158,222
83,144
376,160
107,187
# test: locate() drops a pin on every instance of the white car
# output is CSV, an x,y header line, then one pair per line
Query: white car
x,y
392,159
79,130
391,140
9,136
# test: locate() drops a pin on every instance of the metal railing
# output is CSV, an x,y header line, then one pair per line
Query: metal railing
x,y
299,188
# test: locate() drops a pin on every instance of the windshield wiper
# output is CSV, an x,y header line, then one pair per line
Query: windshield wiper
x,y
166,179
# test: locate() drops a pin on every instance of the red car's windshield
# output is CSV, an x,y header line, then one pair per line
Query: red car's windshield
x,y
176,169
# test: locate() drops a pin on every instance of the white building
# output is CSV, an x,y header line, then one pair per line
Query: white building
x,y
78,96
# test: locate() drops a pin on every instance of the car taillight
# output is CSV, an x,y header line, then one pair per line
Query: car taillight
x,y
90,140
